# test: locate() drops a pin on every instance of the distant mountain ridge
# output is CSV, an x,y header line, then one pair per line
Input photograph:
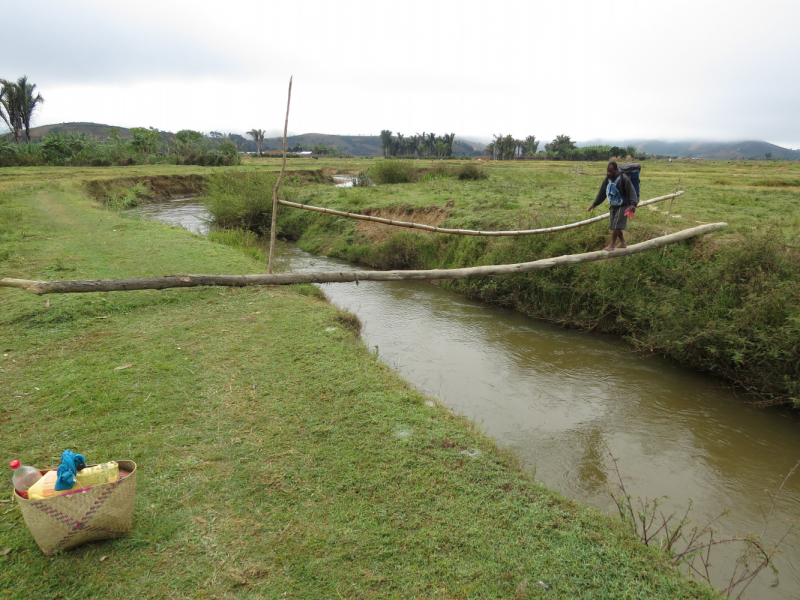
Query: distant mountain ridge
x,y
357,145
370,145
97,130
702,149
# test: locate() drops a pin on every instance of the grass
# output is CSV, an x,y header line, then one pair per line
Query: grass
x,y
277,457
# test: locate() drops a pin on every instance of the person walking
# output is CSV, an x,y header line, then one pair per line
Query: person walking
x,y
622,198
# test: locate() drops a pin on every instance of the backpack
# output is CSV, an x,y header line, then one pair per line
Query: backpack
x,y
632,171
613,194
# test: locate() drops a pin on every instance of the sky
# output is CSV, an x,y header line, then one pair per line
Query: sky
x,y
678,70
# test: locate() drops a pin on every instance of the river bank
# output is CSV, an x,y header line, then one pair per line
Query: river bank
x,y
276,455
545,392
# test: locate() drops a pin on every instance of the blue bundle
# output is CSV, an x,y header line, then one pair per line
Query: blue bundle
x,y
68,469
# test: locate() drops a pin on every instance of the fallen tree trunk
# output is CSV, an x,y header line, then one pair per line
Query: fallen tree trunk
x,y
174,281
360,217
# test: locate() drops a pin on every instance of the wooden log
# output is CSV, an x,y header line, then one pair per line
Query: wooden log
x,y
360,217
175,281
273,228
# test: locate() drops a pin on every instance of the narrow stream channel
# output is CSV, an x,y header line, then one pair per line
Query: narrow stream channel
x,y
556,397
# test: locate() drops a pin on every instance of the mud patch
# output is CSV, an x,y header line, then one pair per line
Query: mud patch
x,y
378,232
161,187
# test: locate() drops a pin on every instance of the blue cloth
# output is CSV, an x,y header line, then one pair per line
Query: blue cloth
x,y
68,469
613,194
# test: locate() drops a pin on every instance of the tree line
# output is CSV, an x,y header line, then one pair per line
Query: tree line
x,y
420,144
19,100
561,148
508,148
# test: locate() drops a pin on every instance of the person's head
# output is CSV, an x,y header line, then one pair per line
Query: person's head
x,y
612,170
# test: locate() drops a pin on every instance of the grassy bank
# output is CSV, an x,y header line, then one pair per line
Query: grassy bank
x,y
277,457
728,304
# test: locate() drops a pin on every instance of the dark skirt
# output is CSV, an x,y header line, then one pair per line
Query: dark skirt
x,y
618,219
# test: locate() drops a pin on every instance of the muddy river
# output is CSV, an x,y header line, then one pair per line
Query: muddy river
x,y
559,398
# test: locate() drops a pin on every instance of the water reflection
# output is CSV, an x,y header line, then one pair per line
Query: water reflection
x,y
188,213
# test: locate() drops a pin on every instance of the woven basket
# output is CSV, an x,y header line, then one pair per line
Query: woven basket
x,y
101,512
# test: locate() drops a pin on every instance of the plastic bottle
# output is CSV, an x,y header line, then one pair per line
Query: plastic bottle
x,y
46,487
24,476
98,474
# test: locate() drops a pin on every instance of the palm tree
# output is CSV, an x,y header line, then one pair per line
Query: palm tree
x,y
531,145
562,145
422,143
258,137
29,102
386,141
431,143
10,107
17,105
448,141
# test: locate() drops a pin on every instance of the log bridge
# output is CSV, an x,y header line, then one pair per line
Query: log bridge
x,y
432,229
178,281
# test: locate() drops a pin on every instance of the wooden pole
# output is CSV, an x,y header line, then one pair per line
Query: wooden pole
x,y
349,215
278,183
669,210
669,214
174,281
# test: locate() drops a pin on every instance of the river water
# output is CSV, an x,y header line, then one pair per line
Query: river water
x,y
560,399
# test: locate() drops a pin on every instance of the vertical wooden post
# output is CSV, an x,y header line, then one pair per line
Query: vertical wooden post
x,y
669,216
669,210
278,183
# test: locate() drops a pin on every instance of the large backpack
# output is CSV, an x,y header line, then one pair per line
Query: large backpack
x,y
632,171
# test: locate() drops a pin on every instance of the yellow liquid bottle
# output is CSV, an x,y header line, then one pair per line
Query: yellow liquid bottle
x,y
98,475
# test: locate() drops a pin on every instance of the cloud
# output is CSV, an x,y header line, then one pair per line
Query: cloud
x,y
671,70
85,42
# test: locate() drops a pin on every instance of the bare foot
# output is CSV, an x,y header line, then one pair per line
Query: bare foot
x,y
609,248
622,245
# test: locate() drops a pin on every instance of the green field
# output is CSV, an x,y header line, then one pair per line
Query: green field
x,y
277,457
728,303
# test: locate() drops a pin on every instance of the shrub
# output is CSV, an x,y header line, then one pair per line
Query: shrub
x,y
9,153
393,171
440,171
362,180
243,199
126,198
472,171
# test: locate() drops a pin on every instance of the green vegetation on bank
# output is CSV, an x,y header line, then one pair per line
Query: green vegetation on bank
x,y
728,303
277,457
146,146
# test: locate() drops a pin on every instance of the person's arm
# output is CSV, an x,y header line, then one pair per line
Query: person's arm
x,y
601,195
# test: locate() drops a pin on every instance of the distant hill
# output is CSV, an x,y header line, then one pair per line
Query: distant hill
x,y
719,150
94,129
357,145
710,150
370,145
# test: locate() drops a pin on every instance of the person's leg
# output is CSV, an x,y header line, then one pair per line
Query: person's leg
x,y
621,236
613,243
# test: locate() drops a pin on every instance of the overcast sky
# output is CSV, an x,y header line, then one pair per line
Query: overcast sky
x,y
708,69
